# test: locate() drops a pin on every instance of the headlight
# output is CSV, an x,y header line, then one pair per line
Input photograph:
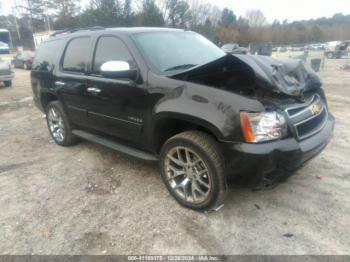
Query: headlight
x,y
264,126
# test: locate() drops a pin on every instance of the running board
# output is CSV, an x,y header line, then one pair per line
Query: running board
x,y
115,145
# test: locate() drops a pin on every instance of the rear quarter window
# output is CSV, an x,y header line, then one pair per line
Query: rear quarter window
x,y
47,55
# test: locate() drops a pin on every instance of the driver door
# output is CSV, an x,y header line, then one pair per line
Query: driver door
x,y
116,106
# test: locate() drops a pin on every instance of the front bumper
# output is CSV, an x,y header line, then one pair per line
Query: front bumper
x,y
287,154
6,77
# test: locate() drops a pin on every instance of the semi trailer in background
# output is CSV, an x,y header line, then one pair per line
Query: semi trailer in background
x,y
5,41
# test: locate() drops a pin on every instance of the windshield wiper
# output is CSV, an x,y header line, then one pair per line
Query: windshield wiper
x,y
184,66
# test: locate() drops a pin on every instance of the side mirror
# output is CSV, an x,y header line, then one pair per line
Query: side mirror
x,y
118,69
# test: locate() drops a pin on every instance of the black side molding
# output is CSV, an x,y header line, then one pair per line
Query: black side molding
x,y
116,146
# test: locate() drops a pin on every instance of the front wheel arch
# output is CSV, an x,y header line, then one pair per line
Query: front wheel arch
x,y
170,124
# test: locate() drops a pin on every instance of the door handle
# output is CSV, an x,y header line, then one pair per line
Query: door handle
x,y
60,83
94,90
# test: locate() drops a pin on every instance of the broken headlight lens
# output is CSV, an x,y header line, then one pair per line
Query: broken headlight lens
x,y
264,126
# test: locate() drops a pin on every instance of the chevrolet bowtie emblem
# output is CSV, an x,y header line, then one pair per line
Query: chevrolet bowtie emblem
x,y
316,108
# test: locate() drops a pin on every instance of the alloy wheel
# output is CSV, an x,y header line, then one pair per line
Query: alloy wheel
x,y
188,175
56,124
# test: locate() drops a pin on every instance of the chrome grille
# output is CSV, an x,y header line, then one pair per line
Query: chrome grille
x,y
309,118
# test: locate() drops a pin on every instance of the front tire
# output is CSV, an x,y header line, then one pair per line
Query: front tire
x,y
58,124
192,168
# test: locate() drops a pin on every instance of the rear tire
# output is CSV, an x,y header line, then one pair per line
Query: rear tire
x,y
58,124
192,168
8,83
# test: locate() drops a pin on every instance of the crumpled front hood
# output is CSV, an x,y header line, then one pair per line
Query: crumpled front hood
x,y
288,76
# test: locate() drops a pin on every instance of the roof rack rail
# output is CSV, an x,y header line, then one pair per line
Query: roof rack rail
x,y
73,30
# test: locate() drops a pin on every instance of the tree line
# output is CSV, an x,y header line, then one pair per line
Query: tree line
x,y
219,25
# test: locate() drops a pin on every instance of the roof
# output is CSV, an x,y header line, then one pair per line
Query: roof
x,y
133,30
125,30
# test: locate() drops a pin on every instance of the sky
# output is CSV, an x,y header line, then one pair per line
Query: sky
x,y
288,9
273,9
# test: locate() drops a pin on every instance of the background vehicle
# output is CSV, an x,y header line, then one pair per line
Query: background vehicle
x,y
23,59
6,74
5,37
40,37
4,48
281,49
316,47
337,49
260,48
201,113
234,49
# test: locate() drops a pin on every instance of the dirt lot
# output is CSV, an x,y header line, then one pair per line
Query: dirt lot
x,y
88,199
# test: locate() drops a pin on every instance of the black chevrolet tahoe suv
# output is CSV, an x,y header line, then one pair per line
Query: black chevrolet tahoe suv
x,y
172,96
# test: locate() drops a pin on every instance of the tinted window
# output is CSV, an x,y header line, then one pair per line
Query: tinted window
x,y
111,48
45,58
76,55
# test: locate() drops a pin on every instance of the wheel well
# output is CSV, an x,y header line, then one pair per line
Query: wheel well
x,y
47,98
169,127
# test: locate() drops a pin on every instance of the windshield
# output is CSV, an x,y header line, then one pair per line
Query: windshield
x,y
177,51
3,44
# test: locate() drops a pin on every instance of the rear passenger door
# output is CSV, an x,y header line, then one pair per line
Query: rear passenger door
x,y
71,80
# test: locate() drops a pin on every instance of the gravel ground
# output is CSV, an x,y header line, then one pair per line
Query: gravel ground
x,y
88,199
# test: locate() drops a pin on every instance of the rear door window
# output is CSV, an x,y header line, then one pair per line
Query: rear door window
x,y
110,48
76,55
